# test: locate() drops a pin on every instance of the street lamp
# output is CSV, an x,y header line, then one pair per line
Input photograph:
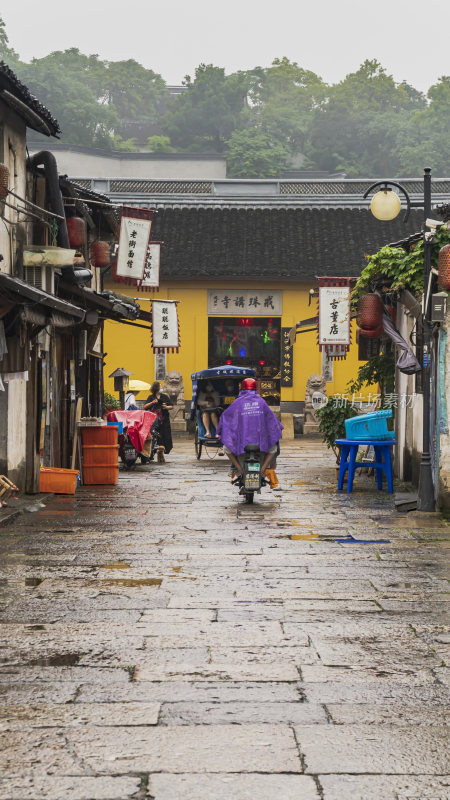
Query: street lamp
x,y
386,205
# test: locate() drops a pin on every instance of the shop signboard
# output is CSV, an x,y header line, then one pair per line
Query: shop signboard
x,y
135,230
165,331
245,302
287,359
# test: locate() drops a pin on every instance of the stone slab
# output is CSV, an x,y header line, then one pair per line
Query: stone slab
x,y
75,788
78,714
198,749
387,787
409,750
175,692
387,715
247,713
237,787
220,672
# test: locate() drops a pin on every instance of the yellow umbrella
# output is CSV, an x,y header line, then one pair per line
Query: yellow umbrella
x,y
138,386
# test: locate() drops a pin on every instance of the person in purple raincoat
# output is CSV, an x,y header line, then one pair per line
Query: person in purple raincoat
x,y
249,420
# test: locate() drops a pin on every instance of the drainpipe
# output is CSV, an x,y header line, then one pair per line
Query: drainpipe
x,y
48,160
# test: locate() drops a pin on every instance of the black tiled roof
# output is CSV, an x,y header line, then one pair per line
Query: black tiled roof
x,y
271,244
40,118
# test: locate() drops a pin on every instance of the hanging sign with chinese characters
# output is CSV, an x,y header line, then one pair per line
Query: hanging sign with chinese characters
x,y
150,279
286,359
135,230
334,316
165,331
252,302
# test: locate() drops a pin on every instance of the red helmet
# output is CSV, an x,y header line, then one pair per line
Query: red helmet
x,y
249,383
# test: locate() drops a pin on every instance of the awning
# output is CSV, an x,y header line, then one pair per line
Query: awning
x,y
110,305
22,293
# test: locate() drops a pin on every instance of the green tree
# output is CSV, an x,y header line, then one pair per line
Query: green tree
x,y
7,54
134,91
283,97
362,122
425,142
70,98
252,153
204,116
160,144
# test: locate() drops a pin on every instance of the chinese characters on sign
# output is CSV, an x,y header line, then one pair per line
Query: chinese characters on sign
x,y
327,366
252,302
133,247
151,269
286,359
334,315
164,325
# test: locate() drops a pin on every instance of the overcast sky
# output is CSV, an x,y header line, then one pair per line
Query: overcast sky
x,y
330,37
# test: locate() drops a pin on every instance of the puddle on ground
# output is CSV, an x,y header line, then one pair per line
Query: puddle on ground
x,y
33,581
132,582
116,565
58,660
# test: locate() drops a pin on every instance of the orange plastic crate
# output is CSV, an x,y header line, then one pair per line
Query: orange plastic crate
x,y
58,481
99,435
100,474
100,455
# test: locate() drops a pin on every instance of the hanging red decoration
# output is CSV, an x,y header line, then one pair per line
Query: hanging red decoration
x,y
371,333
76,228
100,253
4,180
370,312
444,267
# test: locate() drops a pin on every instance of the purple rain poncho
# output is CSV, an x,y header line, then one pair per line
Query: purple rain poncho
x,y
249,420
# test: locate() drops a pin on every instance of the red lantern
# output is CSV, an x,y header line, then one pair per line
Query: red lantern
x,y
100,254
444,267
76,228
370,312
4,181
371,333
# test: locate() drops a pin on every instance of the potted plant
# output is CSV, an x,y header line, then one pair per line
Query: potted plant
x,y
110,403
332,418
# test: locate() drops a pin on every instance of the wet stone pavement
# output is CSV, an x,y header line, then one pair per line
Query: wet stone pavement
x,y
162,640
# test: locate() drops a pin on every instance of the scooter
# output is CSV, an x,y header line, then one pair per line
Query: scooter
x,y
128,453
251,479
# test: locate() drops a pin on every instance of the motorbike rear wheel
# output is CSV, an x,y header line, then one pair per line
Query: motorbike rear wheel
x,y
198,445
249,497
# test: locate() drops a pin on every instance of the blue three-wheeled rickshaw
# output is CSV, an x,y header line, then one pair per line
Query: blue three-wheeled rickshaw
x,y
212,391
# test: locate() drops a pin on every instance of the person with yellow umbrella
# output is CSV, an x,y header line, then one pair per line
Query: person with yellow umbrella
x,y
134,387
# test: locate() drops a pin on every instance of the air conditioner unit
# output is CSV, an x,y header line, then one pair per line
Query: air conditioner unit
x,y
41,277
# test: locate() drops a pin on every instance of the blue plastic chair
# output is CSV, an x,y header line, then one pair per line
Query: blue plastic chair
x,y
382,463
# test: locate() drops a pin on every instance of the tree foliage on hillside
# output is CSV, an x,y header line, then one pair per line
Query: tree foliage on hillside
x,y
263,120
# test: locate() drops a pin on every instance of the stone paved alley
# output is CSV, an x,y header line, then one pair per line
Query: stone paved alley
x,y
162,640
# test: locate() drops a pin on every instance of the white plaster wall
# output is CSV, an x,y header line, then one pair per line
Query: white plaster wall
x,y
13,154
444,461
409,420
92,165
16,426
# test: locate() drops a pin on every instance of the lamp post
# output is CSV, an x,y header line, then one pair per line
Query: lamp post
x,y
385,205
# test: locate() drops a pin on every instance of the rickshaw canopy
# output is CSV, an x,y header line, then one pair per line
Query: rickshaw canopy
x,y
214,373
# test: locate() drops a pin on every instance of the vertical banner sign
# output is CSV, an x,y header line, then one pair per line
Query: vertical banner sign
x,y
150,279
135,230
287,373
165,331
334,316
